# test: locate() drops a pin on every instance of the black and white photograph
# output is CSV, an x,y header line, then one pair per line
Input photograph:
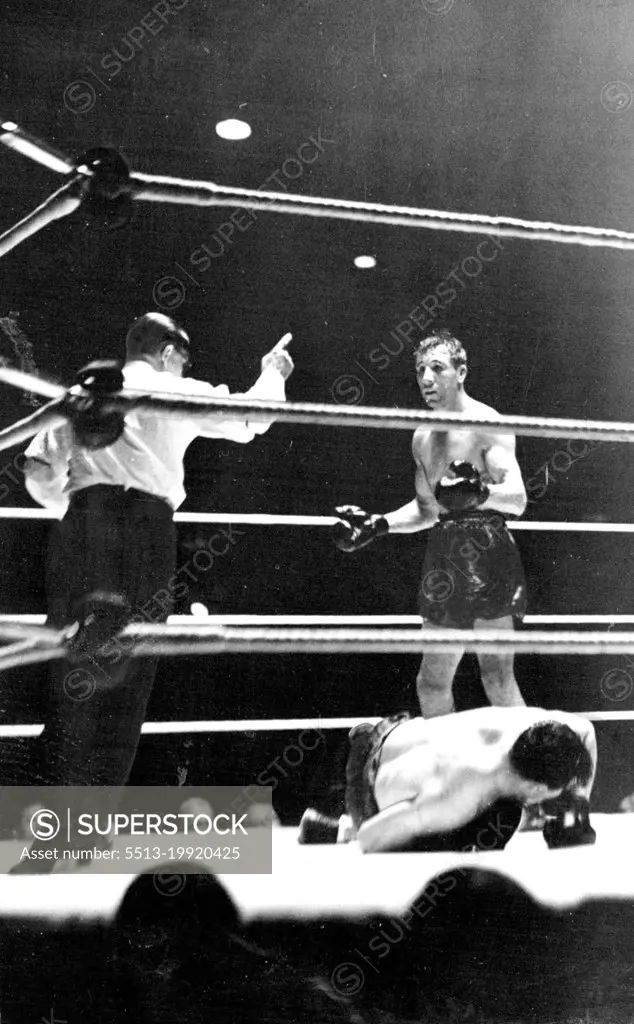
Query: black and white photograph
x,y
316,601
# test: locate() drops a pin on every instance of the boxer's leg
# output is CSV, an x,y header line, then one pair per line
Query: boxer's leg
x,y
435,680
359,802
498,675
319,828
365,742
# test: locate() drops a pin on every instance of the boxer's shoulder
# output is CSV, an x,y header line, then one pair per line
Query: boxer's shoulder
x,y
420,442
487,435
476,408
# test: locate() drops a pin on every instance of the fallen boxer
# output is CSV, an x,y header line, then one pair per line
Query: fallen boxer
x,y
441,784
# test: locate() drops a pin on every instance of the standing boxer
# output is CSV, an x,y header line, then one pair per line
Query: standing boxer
x,y
467,483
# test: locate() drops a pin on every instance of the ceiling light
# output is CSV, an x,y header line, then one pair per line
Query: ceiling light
x,y
233,129
365,262
199,609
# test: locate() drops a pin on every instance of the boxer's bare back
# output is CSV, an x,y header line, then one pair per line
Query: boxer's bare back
x,y
452,767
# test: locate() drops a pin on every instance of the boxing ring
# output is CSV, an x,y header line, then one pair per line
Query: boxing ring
x,y
327,881
307,880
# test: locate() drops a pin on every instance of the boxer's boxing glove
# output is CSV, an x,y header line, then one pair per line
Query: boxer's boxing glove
x,y
463,490
571,826
357,528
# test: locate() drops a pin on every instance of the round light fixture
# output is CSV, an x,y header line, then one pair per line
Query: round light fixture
x,y
365,262
233,129
199,609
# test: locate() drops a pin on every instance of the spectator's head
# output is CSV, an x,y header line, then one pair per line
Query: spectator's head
x,y
180,947
175,905
196,805
159,341
262,816
467,926
24,828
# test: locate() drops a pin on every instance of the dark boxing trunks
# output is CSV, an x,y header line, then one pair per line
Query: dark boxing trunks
x,y
489,830
364,757
472,570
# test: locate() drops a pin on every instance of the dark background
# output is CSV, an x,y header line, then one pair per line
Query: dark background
x,y
492,108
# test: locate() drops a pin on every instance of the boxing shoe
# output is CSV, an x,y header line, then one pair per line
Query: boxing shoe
x,y
316,828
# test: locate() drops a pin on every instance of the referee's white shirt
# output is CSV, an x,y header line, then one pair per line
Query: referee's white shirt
x,y
149,454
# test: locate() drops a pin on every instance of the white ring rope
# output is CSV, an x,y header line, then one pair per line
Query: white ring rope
x,y
324,415
60,204
145,640
327,620
151,640
159,189
23,731
162,189
266,519
48,416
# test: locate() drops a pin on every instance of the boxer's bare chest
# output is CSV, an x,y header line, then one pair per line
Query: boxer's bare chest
x,y
440,448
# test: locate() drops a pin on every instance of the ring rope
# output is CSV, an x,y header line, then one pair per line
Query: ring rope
x,y
145,640
322,414
162,189
59,204
198,639
329,620
49,416
266,519
24,731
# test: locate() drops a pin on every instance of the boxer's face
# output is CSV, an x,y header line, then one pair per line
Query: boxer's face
x,y
537,792
440,382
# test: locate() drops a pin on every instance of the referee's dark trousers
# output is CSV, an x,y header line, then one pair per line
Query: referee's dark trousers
x,y
116,540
